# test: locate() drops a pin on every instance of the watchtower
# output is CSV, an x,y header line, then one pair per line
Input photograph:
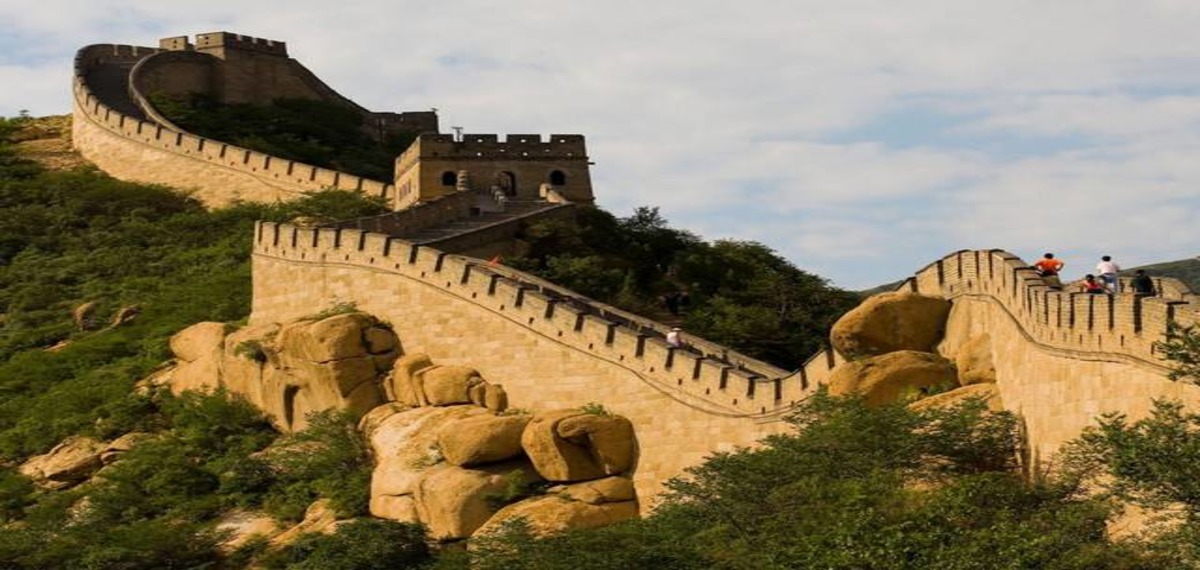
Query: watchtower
x,y
520,167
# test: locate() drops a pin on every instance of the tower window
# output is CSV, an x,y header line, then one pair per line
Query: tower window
x,y
558,178
449,178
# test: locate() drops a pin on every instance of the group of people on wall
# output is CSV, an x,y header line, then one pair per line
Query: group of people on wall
x,y
1104,281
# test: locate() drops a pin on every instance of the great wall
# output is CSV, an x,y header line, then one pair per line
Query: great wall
x,y
1061,358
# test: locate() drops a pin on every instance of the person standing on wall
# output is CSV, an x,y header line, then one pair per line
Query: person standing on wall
x,y
1142,284
1049,267
1107,270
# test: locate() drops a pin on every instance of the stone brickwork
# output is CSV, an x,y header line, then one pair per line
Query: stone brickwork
x,y
218,173
518,166
546,350
1061,357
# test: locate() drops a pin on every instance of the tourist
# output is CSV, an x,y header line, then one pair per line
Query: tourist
x,y
675,337
1091,285
1142,284
1107,270
1049,267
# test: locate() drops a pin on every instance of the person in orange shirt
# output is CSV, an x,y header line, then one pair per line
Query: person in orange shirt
x,y
1049,268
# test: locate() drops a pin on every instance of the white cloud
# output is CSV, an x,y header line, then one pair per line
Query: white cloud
x,y
729,115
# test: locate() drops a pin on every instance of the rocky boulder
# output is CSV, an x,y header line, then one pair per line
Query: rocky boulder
x,y
70,462
454,502
573,445
481,439
293,369
987,392
404,444
891,377
567,507
889,322
974,361
319,518
242,526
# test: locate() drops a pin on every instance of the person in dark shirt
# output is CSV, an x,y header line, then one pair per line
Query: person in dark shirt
x,y
1142,284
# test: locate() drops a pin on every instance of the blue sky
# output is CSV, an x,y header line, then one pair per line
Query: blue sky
x,y
861,139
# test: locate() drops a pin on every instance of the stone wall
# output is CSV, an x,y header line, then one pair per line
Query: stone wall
x,y
548,351
1062,358
218,173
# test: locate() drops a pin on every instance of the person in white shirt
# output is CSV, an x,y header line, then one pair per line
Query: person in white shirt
x,y
675,338
1107,271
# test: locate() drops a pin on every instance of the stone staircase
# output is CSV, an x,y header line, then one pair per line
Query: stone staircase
x,y
513,209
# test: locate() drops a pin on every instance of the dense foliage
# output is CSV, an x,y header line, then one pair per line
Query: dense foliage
x,y
739,294
313,132
852,487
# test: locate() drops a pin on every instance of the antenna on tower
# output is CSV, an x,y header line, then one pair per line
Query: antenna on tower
x,y
457,134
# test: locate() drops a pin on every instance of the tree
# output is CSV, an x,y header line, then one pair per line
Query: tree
x,y
1181,346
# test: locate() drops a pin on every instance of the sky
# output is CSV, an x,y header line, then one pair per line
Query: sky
x,y
860,139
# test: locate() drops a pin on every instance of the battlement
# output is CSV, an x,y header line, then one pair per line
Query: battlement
x,y
226,40
491,147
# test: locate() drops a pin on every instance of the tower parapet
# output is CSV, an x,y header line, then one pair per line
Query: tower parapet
x,y
214,41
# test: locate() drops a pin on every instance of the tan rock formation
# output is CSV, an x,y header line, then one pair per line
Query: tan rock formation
x,y
292,370
241,526
481,439
988,392
70,462
572,445
84,316
453,502
318,519
114,449
549,514
889,322
890,377
404,444
403,384
606,490
974,361
449,385
198,350
495,398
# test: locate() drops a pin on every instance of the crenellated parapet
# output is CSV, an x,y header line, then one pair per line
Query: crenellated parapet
x,y
1110,326
708,375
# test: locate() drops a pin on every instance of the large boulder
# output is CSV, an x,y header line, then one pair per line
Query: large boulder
x,y
889,322
573,445
974,361
293,369
481,439
989,393
114,449
892,377
198,350
72,461
449,385
550,514
606,490
402,384
404,444
454,502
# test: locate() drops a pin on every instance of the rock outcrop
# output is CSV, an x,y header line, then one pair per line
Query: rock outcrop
x,y
987,392
293,369
894,376
889,322
974,361
574,445
70,462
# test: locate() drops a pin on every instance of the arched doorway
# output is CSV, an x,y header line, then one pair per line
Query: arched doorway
x,y
558,178
449,178
507,183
